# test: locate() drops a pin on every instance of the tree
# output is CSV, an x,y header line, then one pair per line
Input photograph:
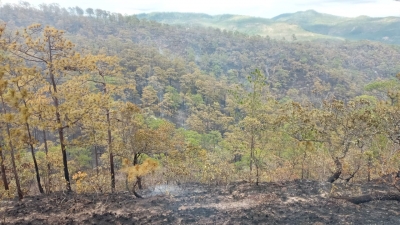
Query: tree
x,y
99,13
24,80
79,11
389,124
2,166
7,119
140,137
150,98
254,122
340,127
107,71
48,48
90,12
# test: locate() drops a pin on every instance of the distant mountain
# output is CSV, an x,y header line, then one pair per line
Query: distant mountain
x,y
386,29
307,17
243,24
304,25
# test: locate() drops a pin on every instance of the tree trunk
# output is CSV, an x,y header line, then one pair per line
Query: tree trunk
x,y
139,182
64,154
352,174
257,175
30,139
369,168
34,159
251,153
58,120
302,164
109,139
96,160
127,183
251,156
3,171
337,173
134,192
14,166
110,152
46,149
138,178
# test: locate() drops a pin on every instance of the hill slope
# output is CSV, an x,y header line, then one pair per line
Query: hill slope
x,y
343,68
362,27
198,78
244,24
305,25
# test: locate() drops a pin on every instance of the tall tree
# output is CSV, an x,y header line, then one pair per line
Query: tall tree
x,y
23,81
89,11
2,166
7,119
48,48
108,77
139,137
253,124
79,11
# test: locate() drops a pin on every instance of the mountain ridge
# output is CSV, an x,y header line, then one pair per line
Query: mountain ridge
x,y
241,23
302,25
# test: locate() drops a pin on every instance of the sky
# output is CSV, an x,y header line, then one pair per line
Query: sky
x,y
258,8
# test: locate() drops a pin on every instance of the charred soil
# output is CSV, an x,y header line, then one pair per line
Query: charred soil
x,y
292,202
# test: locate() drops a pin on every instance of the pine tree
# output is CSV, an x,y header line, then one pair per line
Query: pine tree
x,y
2,166
7,119
253,103
48,48
108,78
21,78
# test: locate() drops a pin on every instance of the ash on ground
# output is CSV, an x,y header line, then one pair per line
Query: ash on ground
x,y
292,202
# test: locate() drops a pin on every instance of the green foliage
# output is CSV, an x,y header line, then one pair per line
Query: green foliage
x,y
82,158
174,96
383,86
197,99
154,122
191,137
211,140
372,99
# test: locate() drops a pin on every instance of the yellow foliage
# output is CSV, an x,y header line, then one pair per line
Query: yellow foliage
x,y
79,176
8,117
89,183
148,166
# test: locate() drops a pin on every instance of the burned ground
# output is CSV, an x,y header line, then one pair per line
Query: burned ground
x,y
294,202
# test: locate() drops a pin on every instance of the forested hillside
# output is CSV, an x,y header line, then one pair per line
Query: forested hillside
x,y
244,24
362,27
227,54
303,25
94,101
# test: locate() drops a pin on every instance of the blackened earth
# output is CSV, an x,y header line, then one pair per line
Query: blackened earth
x,y
292,202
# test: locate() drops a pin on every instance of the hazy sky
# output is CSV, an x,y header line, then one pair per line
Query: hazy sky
x,y
261,8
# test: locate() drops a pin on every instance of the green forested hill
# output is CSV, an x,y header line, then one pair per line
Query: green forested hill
x,y
305,25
